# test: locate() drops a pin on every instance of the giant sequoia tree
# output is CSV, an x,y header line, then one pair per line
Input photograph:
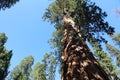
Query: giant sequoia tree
x,y
78,21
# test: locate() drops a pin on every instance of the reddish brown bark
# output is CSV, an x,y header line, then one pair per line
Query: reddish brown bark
x,y
78,61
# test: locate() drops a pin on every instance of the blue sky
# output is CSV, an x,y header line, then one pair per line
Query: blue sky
x,y
28,34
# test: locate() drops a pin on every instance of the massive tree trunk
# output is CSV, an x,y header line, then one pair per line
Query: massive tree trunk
x,y
78,61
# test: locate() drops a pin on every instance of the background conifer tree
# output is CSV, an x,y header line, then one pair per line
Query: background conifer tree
x,y
38,72
105,61
113,50
23,70
5,57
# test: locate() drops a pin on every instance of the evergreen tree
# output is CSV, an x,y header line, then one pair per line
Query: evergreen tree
x,y
108,66
5,57
83,21
105,61
38,72
7,3
46,69
23,70
114,51
49,63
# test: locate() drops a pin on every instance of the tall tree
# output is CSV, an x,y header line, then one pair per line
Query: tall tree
x,y
7,3
23,70
46,69
83,21
49,62
38,72
5,57
113,50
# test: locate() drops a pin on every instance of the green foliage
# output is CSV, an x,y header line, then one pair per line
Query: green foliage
x,y
38,72
5,57
49,62
116,38
56,42
55,10
7,3
113,50
106,62
46,69
23,70
88,17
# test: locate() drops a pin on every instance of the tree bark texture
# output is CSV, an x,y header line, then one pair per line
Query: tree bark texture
x,y
78,61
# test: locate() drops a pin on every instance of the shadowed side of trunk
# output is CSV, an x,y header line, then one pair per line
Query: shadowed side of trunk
x,y
78,61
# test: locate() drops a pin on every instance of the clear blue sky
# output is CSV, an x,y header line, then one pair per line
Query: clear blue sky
x,y
28,34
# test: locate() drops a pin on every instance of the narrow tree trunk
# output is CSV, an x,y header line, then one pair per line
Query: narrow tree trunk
x,y
78,61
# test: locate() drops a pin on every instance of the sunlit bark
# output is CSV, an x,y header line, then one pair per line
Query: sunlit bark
x,y
78,61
